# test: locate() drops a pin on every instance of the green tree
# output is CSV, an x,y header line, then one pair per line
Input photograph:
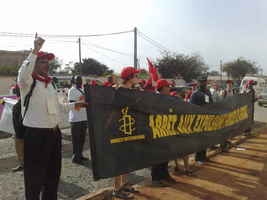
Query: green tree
x,y
143,74
188,66
90,66
240,67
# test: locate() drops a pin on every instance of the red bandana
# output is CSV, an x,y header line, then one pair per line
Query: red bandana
x,y
46,80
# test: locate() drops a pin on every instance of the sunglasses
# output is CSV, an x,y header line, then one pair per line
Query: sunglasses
x,y
43,62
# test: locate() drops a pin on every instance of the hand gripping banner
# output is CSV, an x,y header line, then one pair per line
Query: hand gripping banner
x,y
131,130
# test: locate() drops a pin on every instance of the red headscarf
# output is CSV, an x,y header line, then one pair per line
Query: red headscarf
x,y
45,80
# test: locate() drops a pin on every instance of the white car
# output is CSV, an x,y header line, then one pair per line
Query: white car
x,y
262,99
260,84
6,121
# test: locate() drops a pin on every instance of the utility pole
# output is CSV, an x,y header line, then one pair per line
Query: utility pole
x,y
135,47
221,69
80,56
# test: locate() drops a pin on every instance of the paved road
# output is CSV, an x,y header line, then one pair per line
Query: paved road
x,y
260,113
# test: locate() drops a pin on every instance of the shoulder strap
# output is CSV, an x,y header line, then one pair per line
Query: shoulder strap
x,y
54,85
80,90
27,98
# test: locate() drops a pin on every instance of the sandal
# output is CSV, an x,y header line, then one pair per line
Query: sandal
x,y
130,189
188,172
121,195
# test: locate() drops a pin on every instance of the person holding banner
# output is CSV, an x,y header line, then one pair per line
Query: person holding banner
x,y
159,173
111,81
78,121
42,137
190,92
249,89
201,97
187,171
122,189
148,87
228,92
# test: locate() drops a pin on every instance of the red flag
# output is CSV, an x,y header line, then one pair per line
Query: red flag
x,y
152,70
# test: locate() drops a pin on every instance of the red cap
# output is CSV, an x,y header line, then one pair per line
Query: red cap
x,y
192,84
173,93
93,83
128,71
48,56
250,82
107,84
162,83
229,81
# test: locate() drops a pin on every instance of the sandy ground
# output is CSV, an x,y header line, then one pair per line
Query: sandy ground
x,y
237,175
75,181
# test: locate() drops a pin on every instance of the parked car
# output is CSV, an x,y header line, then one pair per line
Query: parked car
x,y
262,99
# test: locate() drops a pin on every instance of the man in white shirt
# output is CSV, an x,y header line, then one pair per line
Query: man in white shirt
x,y
42,139
78,121
215,93
229,91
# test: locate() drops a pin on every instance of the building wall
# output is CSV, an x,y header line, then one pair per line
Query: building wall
x,y
5,83
12,58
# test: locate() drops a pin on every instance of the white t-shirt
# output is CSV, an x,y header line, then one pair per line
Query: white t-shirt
x,y
76,115
229,92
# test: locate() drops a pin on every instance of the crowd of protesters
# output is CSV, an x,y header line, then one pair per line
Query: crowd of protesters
x,y
39,146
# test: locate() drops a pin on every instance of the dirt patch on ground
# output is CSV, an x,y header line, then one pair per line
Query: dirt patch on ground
x,y
236,175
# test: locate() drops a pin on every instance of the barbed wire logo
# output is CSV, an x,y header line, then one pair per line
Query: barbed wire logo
x,y
127,122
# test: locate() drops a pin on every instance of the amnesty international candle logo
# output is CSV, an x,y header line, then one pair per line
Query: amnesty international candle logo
x,y
127,122
127,128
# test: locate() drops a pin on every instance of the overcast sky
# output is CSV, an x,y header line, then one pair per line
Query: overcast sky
x,y
215,29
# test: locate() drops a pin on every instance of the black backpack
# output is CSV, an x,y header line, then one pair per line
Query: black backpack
x,y
17,120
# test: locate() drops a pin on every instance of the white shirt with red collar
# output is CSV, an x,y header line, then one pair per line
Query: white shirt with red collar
x,y
44,106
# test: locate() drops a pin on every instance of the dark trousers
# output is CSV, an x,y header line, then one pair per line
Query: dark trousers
x,y
160,171
42,163
201,156
78,133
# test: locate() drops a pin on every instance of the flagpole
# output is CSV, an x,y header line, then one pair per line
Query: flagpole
x,y
135,47
80,56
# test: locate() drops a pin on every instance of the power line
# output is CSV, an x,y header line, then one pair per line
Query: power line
x,y
96,51
108,49
153,42
12,34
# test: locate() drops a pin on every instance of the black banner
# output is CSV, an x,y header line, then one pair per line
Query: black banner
x,y
131,130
